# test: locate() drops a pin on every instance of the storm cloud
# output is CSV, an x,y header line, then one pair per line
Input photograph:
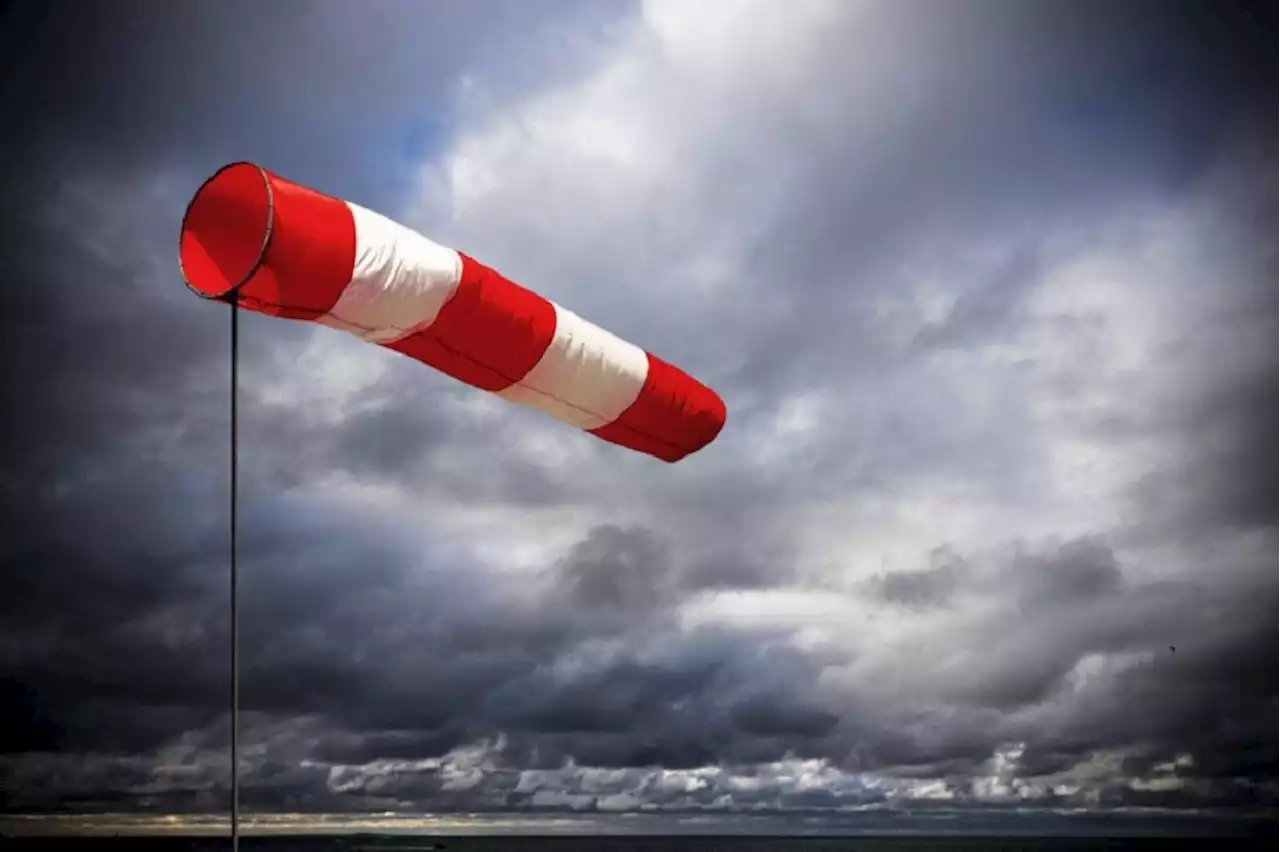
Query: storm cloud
x,y
988,289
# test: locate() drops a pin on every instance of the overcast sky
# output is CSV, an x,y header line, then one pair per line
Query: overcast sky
x,y
988,288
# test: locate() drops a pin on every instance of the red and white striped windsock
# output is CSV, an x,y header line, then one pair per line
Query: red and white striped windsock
x,y
270,245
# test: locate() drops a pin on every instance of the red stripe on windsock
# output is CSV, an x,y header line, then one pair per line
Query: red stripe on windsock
x,y
675,415
290,250
490,334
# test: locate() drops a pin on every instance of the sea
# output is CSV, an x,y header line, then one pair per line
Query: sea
x,y
942,830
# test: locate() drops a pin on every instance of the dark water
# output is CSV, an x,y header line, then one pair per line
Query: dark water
x,y
947,831
684,843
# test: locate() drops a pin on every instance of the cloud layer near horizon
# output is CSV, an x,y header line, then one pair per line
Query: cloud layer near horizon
x,y
987,288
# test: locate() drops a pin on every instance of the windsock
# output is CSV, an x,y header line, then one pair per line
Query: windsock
x,y
254,239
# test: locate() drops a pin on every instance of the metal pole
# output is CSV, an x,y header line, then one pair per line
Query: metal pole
x,y
235,580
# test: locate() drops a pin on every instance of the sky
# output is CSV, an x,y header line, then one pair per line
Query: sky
x,y
987,288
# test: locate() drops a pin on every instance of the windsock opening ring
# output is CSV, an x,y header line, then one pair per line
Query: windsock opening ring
x,y
226,231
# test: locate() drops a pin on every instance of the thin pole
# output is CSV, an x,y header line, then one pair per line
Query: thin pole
x,y
235,580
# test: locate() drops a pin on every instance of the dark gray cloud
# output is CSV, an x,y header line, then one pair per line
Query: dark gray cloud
x,y
988,310
992,458
931,586
353,664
